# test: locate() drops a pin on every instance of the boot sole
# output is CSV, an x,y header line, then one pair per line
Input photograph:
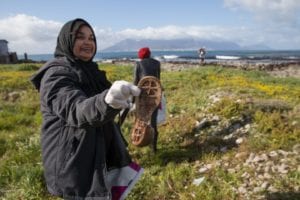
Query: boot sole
x,y
142,133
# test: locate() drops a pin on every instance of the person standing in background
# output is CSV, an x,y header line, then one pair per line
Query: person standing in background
x,y
148,66
202,53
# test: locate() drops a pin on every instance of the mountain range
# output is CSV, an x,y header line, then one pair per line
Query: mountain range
x,y
180,44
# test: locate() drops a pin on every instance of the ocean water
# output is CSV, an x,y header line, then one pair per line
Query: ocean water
x,y
192,56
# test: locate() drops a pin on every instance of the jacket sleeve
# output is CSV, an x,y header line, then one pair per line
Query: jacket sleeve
x,y
137,73
61,94
159,66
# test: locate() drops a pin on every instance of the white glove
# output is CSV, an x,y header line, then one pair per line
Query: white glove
x,y
119,94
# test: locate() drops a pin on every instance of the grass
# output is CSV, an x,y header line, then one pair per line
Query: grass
x,y
270,105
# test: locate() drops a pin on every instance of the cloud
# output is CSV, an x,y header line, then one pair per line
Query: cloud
x,y
173,32
107,38
245,36
37,36
29,34
280,12
277,21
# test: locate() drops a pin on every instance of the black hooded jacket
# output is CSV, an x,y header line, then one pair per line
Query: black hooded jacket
x,y
79,139
146,67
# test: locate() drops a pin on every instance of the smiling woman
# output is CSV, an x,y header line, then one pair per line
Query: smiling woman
x,y
85,44
84,155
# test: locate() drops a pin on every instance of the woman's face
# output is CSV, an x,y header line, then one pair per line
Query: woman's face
x,y
84,47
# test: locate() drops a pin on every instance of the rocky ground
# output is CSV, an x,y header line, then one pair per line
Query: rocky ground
x,y
279,69
259,172
287,69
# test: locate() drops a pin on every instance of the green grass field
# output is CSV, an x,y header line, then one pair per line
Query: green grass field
x,y
260,110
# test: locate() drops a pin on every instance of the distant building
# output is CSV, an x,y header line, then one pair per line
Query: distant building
x,y
7,57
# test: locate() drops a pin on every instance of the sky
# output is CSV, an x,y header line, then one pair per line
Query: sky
x,y
32,26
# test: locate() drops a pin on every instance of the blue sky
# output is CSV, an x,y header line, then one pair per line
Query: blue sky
x,y
32,26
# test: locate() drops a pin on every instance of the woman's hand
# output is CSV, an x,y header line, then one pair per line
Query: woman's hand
x,y
119,94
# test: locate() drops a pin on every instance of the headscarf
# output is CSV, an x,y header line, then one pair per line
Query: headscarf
x,y
66,39
144,53
64,48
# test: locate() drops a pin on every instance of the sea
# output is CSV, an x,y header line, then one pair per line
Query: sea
x,y
262,56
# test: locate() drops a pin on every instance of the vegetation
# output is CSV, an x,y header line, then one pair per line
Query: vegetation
x,y
205,106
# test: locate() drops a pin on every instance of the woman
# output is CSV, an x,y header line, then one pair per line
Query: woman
x,y
84,156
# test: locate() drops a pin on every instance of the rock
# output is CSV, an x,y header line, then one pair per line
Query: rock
x,y
272,189
250,158
296,148
241,155
265,185
231,170
203,170
198,181
215,118
260,177
209,166
242,190
239,141
283,168
267,176
246,175
269,163
282,152
13,96
202,124
257,159
267,169
257,189
264,157
228,137
273,154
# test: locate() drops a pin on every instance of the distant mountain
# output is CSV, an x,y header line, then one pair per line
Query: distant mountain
x,y
257,47
176,44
